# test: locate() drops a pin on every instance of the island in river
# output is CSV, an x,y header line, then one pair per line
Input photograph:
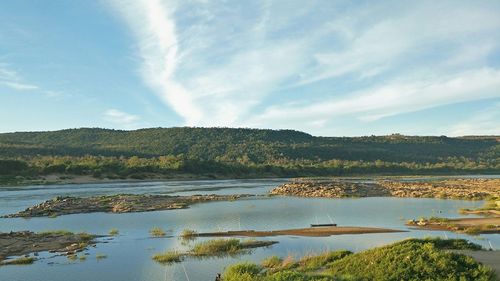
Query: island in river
x,y
454,188
121,203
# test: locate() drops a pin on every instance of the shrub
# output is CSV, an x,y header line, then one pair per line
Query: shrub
x,y
157,232
272,262
242,272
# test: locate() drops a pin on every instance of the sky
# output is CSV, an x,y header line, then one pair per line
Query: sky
x,y
328,68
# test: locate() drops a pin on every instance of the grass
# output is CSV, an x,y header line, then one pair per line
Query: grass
x,y
157,232
411,259
216,246
314,262
168,257
272,262
19,261
114,232
100,256
211,248
188,234
56,232
226,246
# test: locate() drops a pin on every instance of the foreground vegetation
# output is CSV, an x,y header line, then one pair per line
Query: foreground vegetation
x,y
224,152
413,259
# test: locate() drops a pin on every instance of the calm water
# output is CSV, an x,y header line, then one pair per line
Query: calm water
x,y
129,254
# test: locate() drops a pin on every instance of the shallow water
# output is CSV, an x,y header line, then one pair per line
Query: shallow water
x,y
129,254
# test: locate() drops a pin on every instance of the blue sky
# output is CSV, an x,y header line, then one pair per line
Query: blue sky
x,y
329,68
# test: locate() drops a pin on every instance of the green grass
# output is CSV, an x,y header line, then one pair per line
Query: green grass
x,y
114,232
272,262
216,246
168,257
241,272
226,246
157,232
411,259
312,262
19,261
212,248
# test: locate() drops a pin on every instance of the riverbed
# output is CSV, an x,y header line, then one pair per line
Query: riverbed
x,y
128,255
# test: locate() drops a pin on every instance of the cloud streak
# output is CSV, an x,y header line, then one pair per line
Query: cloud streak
x,y
234,64
122,119
12,80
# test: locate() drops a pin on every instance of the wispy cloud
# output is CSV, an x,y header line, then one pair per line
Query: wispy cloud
x,y
122,119
231,63
13,80
391,99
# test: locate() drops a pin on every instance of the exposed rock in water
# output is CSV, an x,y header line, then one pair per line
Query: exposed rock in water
x,y
476,189
25,242
122,203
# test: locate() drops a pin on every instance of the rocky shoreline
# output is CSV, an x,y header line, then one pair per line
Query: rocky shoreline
x,y
25,242
121,203
470,189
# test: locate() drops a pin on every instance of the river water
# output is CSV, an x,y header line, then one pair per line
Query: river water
x,y
129,254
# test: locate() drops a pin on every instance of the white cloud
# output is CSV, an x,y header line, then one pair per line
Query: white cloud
x,y
392,99
19,86
12,79
122,119
216,64
154,28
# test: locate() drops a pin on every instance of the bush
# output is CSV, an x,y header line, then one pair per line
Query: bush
x,y
411,260
272,262
241,272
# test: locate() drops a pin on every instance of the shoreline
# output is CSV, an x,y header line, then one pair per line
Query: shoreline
x,y
61,179
473,226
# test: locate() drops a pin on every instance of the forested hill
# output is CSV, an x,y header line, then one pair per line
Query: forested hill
x,y
247,145
226,152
